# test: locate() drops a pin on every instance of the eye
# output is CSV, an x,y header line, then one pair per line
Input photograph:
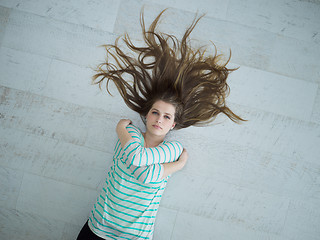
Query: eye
x,y
167,117
154,112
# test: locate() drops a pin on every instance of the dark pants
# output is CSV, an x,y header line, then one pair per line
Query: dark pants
x,y
87,234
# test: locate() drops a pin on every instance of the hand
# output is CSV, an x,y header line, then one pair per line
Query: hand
x,y
183,158
123,123
122,132
172,167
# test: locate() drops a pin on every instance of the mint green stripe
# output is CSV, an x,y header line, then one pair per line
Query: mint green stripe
x,y
118,150
147,158
134,171
123,206
170,159
145,179
134,128
152,174
116,146
158,153
124,200
178,144
127,180
165,155
137,229
159,173
116,155
144,186
129,146
137,190
118,224
124,220
131,163
175,154
112,228
109,234
128,214
126,207
152,156
133,189
140,158
129,195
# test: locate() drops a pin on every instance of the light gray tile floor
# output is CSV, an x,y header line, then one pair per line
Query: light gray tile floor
x,y
257,180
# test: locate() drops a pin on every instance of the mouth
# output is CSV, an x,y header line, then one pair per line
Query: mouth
x,y
156,126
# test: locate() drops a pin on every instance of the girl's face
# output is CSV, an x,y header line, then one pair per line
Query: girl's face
x,y
160,118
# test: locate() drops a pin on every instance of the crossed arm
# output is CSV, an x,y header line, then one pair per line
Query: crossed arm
x,y
168,168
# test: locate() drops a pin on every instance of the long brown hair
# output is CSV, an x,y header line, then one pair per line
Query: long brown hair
x,y
170,70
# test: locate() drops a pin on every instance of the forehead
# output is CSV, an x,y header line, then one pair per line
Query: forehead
x,y
164,107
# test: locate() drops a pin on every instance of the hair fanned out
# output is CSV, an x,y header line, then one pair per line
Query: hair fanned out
x,y
170,70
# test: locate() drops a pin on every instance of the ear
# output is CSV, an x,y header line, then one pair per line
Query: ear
x,y
173,125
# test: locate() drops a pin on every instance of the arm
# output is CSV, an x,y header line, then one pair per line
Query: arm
x,y
137,155
157,172
172,167
134,153
122,132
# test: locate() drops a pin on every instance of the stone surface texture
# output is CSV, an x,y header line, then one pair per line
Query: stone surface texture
x,y
257,180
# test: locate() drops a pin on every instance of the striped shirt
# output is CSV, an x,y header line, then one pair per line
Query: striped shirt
x,y
130,197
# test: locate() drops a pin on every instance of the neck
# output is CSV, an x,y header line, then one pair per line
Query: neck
x,y
151,140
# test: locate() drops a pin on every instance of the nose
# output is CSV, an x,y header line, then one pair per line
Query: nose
x,y
159,120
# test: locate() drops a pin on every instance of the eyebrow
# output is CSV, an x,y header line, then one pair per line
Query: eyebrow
x,y
159,111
